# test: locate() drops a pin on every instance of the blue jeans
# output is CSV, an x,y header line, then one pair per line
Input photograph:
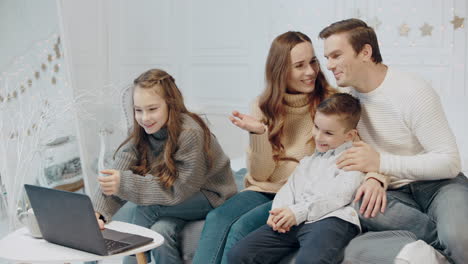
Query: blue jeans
x,y
227,224
169,221
435,211
319,242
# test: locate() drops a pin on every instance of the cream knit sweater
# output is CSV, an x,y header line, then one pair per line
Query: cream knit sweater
x,y
264,174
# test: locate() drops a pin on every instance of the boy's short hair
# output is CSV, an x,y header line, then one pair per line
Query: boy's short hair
x,y
347,107
358,34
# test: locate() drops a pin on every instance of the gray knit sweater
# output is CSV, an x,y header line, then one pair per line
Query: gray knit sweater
x,y
194,175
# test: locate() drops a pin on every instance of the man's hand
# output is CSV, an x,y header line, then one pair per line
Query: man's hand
x,y
374,198
283,219
100,222
110,184
360,157
247,123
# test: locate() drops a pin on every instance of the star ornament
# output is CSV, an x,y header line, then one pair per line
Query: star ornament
x,y
426,30
457,22
404,30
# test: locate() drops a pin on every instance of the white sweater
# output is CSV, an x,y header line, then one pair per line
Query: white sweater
x,y
317,189
404,121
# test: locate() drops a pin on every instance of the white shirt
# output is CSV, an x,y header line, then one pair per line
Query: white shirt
x,y
404,121
317,189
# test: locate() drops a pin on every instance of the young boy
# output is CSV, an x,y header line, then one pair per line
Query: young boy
x,y
312,210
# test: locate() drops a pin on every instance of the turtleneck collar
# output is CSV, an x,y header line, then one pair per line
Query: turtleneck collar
x,y
296,103
157,140
161,134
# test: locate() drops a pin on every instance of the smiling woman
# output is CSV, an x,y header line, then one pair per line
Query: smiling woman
x,y
304,69
280,135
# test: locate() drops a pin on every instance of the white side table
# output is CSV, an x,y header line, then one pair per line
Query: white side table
x,y
20,247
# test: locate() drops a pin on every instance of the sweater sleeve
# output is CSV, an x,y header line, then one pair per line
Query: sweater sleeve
x,y
285,196
260,163
383,179
427,121
108,205
192,168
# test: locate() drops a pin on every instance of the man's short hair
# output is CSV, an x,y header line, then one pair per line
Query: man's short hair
x,y
347,107
358,33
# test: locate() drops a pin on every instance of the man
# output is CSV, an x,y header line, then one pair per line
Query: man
x,y
407,138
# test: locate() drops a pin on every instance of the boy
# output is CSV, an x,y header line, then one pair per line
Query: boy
x,y
312,210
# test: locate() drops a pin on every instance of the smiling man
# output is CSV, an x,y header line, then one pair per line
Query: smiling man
x,y
408,138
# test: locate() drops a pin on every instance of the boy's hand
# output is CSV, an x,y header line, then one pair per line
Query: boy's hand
x,y
270,222
374,198
360,157
110,184
283,219
247,123
100,222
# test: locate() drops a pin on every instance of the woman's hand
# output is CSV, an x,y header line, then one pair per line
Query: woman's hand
x,y
110,184
247,123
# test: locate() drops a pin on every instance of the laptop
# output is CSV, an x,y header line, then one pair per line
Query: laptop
x,y
68,219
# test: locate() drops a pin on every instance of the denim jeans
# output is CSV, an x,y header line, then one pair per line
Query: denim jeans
x,y
323,241
169,221
435,211
227,224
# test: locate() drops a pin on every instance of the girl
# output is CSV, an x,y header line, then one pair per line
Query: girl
x,y
171,165
280,135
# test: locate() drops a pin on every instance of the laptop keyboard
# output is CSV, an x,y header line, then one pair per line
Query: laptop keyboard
x,y
113,245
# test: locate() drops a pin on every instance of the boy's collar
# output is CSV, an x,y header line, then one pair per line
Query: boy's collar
x,y
336,151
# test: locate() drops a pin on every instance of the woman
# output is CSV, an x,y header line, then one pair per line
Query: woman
x,y
280,135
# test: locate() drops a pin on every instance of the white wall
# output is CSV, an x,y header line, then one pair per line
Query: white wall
x,y
36,103
216,51
19,35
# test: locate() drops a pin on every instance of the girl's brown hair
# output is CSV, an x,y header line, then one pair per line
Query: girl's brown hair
x,y
165,168
271,102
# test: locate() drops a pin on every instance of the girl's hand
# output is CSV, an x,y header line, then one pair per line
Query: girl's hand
x,y
110,184
247,123
100,222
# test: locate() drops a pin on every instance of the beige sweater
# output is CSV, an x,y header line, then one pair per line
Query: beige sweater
x,y
264,174
216,183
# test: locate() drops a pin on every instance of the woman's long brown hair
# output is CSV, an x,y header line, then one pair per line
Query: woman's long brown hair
x,y
271,101
164,168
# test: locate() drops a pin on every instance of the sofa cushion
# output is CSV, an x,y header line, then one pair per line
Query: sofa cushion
x,y
190,237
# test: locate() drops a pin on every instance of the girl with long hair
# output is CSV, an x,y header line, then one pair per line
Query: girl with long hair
x,y
171,166
280,135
